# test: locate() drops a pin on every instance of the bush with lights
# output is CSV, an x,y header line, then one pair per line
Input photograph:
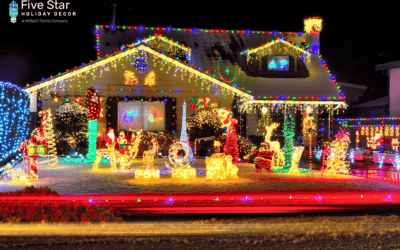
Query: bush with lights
x,y
72,132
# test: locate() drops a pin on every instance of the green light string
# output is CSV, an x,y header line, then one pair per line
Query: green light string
x,y
92,140
288,133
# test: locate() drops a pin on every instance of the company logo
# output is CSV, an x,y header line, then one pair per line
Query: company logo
x,y
13,11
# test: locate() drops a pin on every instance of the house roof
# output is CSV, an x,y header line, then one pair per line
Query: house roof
x,y
129,51
353,86
218,52
377,102
386,66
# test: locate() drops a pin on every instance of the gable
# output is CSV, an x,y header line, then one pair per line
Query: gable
x,y
110,72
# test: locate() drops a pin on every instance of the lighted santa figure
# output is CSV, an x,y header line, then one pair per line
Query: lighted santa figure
x,y
110,138
122,141
263,157
378,140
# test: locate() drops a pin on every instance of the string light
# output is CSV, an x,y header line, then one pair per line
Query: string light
x,y
14,111
288,133
336,163
49,134
150,79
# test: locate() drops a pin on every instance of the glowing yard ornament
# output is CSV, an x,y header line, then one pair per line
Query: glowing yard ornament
x,y
111,153
20,177
150,79
395,144
184,136
298,151
148,172
370,142
148,156
219,167
133,150
397,160
278,159
130,78
352,156
181,167
381,160
378,140
225,116
336,162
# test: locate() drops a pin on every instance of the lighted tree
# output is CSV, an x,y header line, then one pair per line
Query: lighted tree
x,y
49,130
93,106
184,136
288,133
231,146
336,162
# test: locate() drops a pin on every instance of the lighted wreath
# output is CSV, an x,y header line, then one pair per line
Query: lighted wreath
x,y
141,64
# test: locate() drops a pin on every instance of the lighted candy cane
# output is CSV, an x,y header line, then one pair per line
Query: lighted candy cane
x,y
44,119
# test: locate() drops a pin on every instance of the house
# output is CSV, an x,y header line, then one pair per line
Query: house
x,y
158,68
392,70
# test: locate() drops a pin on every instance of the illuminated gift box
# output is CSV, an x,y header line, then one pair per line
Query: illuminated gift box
x,y
37,150
220,167
147,174
184,174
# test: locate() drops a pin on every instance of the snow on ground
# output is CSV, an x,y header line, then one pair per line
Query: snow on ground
x,y
81,180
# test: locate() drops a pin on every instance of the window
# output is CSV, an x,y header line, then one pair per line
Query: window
x,y
149,116
278,63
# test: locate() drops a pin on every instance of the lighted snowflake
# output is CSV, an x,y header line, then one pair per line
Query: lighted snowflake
x,y
141,64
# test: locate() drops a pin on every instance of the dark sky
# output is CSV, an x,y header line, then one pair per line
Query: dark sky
x,y
353,40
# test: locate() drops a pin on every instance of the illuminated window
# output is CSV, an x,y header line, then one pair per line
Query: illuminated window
x,y
149,116
278,63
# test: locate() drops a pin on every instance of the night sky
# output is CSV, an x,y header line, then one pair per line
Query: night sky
x,y
353,39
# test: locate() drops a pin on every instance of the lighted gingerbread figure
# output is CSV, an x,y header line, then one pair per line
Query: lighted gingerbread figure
x,y
263,157
395,144
122,141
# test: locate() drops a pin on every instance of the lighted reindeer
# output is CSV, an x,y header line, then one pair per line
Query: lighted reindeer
x,y
278,158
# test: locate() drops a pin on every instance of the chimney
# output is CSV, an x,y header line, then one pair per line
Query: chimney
x,y
114,13
312,27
